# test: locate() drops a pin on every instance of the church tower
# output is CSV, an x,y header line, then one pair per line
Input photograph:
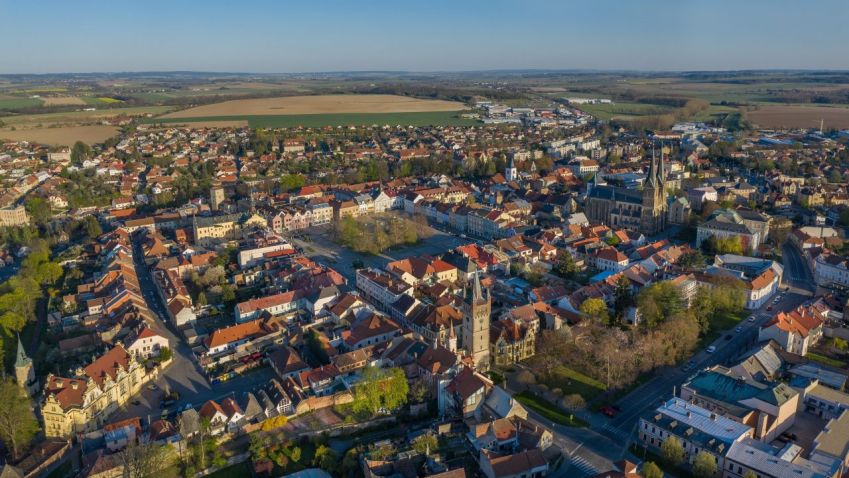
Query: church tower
x,y
653,216
511,174
24,374
477,306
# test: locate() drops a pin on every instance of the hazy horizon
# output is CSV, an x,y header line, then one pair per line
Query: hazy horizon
x,y
298,37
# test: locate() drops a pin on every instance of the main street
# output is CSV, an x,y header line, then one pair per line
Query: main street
x,y
183,375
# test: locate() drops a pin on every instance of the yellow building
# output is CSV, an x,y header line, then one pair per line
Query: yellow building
x,y
84,403
13,216
511,342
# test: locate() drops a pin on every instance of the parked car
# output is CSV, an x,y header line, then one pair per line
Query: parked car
x,y
751,318
710,349
739,329
609,410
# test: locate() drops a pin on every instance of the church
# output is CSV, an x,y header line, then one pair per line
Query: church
x,y
638,210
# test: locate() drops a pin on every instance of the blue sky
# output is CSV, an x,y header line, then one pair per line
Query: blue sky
x,y
335,35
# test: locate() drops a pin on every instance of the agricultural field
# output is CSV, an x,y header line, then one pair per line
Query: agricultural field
x,y
319,104
438,118
78,117
62,135
62,101
15,102
625,110
799,116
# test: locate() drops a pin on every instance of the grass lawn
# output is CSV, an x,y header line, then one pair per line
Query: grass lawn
x,y
437,118
609,111
572,381
825,360
239,470
721,324
548,410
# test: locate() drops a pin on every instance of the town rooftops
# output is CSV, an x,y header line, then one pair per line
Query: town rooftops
x,y
235,333
268,302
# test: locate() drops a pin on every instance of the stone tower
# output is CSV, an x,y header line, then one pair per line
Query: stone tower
x,y
24,374
216,196
476,310
511,174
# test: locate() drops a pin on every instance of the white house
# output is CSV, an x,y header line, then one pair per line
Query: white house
x,y
147,344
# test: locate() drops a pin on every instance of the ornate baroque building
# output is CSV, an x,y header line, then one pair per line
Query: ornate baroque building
x,y
84,403
639,210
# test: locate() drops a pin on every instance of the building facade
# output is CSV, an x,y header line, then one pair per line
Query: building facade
x,y
644,211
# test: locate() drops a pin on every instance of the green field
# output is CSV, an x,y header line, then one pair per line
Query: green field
x,y
548,410
607,112
15,103
436,118
571,381
99,100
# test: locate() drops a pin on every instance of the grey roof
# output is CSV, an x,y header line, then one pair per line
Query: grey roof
x,y
697,424
614,193
826,377
205,221
21,358
765,460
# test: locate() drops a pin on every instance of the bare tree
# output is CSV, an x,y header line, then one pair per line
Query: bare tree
x,y
142,460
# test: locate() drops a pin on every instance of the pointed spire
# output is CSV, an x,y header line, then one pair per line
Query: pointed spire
x,y
477,294
21,358
652,174
660,175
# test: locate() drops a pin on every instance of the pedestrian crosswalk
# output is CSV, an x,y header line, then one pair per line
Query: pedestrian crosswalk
x,y
583,465
612,430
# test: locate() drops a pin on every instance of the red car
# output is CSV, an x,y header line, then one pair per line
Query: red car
x,y
609,410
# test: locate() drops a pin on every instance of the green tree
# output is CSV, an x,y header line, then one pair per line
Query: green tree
x,y
39,210
18,425
672,452
202,300
380,389
290,182
565,266
650,470
596,309
227,293
92,227
425,443
704,465
79,153
750,474
325,458
692,260
657,302
624,298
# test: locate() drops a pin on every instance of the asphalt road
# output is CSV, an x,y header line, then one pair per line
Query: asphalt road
x,y
184,375
796,271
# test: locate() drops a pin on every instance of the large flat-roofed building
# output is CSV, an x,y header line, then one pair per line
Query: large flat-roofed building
x,y
696,428
768,408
